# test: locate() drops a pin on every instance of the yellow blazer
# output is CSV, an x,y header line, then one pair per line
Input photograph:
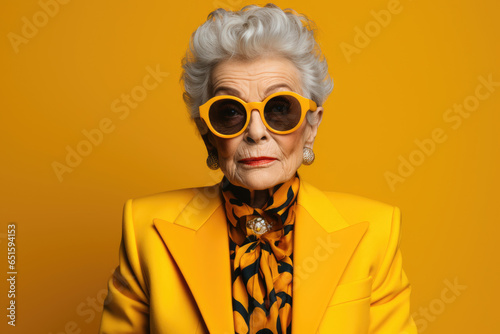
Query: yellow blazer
x,y
174,273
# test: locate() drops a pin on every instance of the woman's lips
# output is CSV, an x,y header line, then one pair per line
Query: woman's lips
x,y
257,161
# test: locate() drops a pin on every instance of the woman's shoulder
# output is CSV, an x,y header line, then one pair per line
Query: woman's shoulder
x,y
175,195
357,208
168,204
353,202
382,216
348,201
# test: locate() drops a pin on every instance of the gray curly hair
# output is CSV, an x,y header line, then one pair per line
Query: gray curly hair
x,y
248,34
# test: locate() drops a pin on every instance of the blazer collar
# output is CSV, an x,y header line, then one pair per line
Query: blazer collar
x,y
323,244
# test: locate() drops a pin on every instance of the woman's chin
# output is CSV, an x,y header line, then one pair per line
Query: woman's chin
x,y
260,179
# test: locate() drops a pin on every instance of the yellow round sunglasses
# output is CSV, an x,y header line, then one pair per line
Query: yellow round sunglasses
x,y
283,112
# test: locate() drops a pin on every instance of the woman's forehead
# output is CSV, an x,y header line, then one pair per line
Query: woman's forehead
x,y
262,76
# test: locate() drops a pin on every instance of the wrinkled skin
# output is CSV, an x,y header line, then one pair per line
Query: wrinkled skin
x,y
252,81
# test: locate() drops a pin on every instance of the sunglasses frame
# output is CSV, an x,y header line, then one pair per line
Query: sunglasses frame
x,y
305,105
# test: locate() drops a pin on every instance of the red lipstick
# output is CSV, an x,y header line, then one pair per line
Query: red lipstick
x,y
257,161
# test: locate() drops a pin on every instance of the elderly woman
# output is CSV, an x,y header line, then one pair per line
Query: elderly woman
x,y
263,251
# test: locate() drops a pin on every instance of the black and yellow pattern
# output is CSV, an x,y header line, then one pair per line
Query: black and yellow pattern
x,y
262,266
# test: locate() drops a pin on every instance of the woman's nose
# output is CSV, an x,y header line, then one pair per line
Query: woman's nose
x,y
256,130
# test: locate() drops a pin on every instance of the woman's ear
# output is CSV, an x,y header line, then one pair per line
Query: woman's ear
x,y
206,135
209,142
314,119
202,127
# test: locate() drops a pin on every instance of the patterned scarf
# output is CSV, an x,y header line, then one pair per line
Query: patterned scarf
x,y
261,265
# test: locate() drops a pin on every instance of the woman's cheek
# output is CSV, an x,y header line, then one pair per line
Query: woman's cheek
x,y
293,154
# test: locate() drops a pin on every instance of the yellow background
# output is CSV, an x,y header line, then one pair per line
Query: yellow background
x,y
395,90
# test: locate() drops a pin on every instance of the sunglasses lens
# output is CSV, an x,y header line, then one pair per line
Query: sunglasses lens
x,y
227,116
282,112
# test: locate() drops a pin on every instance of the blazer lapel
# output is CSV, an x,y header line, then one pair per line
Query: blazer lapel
x,y
323,244
198,240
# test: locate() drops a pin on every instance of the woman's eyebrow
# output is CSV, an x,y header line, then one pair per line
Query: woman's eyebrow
x,y
227,90
273,88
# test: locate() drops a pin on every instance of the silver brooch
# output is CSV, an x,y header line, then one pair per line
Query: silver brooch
x,y
259,225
